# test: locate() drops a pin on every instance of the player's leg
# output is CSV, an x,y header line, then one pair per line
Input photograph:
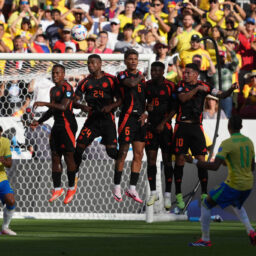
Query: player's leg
x,y
7,197
119,166
137,147
58,191
151,172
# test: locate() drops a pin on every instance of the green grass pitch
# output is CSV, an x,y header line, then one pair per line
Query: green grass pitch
x,y
121,238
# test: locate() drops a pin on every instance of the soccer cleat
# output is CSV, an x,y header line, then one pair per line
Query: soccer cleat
x,y
152,199
167,203
201,243
134,195
203,196
8,232
117,194
56,194
252,237
180,202
69,196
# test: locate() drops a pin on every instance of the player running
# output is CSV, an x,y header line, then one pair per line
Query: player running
x,y
188,131
62,139
101,95
131,126
161,108
238,154
6,192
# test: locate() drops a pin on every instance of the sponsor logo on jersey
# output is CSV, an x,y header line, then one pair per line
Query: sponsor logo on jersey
x,y
68,94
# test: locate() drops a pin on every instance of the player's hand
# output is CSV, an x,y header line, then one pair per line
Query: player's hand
x,y
39,104
33,125
1,159
143,119
202,88
189,158
106,109
160,127
235,86
85,108
150,107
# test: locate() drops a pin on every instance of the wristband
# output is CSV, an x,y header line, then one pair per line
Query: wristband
x,y
146,113
195,161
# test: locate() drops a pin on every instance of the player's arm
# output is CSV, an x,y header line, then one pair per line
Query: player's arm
x,y
169,116
206,165
186,96
225,94
133,81
77,104
117,103
63,106
6,161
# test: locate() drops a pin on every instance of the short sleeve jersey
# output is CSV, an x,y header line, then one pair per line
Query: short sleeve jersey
x,y
133,98
162,97
98,92
193,108
57,94
5,151
238,152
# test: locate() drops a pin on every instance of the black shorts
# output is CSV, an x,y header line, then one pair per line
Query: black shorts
x,y
187,136
96,126
130,129
162,140
63,138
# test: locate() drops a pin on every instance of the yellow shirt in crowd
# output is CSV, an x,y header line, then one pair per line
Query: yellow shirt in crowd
x,y
5,151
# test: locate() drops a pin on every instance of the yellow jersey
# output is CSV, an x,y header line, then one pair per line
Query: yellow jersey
x,y
123,21
238,152
5,151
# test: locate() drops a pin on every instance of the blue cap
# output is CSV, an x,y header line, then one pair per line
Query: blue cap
x,y
250,20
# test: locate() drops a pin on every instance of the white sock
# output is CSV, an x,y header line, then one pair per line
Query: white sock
x,y
7,217
71,188
77,174
117,186
132,187
205,223
153,192
167,194
56,189
242,216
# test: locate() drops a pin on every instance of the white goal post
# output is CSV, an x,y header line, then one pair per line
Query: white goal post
x,y
30,175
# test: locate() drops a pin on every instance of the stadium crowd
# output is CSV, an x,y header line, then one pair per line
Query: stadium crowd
x,y
172,30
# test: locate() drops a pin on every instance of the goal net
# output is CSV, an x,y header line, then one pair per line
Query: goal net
x,y
26,78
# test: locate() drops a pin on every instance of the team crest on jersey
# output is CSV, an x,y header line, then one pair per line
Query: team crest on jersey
x,y
90,87
68,94
162,92
105,85
180,89
122,76
58,93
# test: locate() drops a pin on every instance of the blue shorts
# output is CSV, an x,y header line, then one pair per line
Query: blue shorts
x,y
5,188
225,196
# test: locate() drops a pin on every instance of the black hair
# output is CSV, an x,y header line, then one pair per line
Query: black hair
x,y
193,66
129,2
56,10
99,6
59,66
158,64
1,129
235,122
95,56
130,52
128,26
137,15
103,32
161,1
197,56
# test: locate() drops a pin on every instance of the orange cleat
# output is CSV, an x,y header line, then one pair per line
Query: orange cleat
x,y
56,194
69,196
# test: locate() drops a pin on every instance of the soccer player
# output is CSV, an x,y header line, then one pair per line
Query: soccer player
x,y
188,131
161,108
101,95
6,192
62,139
131,126
238,154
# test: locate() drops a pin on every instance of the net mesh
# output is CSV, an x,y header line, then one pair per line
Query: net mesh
x,y
24,82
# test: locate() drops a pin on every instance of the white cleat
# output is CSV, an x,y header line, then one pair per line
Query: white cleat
x,y
152,199
167,203
8,232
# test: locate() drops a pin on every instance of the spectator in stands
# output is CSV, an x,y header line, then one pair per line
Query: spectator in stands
x,y
6,44
56,5
252,11
83,4
45,18
23,10
91,42
174,73
227,70
142,7
248,52
113,34
155,15
66,41
101,43
181,39
161,51
111,11
205,28
230,29
52,31
126,17
33,4
248,110
211,108
39,43
136,21
150,41
215,13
